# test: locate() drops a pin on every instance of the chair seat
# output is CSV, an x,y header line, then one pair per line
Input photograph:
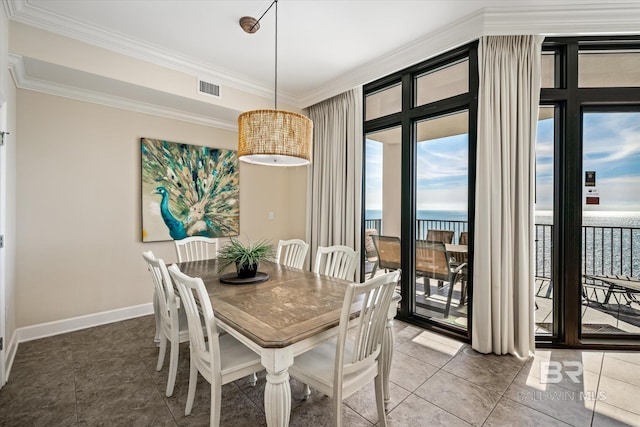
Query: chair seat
x,y
316,368
236,357
183,327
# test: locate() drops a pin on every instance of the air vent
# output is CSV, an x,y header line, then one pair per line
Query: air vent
x,y
208,88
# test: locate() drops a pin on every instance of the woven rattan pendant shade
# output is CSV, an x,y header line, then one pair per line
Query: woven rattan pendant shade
x,y
274,137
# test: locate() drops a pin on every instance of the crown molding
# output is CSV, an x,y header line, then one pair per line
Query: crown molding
x,y
573,20
592,19
22,81
26,13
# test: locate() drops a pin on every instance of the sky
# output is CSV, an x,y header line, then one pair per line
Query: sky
x,y
611,149
442,167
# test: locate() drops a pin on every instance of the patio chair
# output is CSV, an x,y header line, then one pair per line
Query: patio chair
x,y
463,239
612,285
433,262
371,254
388,249
444,236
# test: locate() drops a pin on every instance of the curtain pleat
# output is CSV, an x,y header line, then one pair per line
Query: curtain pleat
x,y
335,196
508,98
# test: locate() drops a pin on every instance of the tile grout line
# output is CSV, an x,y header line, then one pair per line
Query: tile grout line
x,y
593,413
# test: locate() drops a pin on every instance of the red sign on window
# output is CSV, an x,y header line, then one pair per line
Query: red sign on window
x,y
593,200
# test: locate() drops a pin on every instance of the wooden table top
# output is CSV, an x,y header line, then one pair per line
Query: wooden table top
x,y
463,249
289,307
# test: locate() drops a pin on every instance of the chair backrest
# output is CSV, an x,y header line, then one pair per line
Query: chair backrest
x,y
200,319
292,253
336,261
444,236
372,299
432,260
196,248
388,248
370,249
464,238
167,303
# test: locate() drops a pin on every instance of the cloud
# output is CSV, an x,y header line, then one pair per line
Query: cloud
x,y
443,158
609,137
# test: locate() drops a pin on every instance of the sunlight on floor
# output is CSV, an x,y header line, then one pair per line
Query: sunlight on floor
x,y
438,343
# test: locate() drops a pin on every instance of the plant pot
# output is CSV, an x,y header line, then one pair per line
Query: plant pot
x,y
246,271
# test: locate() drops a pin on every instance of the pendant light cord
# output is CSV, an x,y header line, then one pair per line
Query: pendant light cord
x,y
250,30
275,101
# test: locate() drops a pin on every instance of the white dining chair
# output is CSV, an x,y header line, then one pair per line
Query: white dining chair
x,y
220,359
172,320
343,365
196,248
336,261
292,253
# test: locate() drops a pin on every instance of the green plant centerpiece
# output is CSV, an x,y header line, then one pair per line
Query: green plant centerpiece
x,y
246,258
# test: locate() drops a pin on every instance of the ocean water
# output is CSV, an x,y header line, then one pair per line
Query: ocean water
x,y
592,218
425,214
598,218
610,240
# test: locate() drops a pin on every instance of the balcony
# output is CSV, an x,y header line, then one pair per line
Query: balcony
x,y
612,251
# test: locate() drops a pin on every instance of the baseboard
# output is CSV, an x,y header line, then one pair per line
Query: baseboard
x,y
11,350
58,327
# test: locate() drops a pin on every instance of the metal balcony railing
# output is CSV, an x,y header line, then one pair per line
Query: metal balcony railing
x,y
606,250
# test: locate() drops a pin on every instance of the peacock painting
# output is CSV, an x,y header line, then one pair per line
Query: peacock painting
x,y
188,190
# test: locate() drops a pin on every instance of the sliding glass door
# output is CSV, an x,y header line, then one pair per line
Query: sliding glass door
x,y
587,253
442,234
419,172
543,232
610,223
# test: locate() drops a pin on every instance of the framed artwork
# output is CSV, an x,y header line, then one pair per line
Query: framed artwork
x,y
188,190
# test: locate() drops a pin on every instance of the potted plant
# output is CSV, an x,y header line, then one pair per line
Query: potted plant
x,y
246,258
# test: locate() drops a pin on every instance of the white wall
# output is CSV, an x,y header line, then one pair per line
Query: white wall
x,y
391,188
8,200
78,234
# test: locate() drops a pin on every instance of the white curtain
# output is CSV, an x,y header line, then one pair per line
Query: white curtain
x,y
508,98
335,187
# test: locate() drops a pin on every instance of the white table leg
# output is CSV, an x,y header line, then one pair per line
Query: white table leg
x,y
277,391
387,355
277,399
387,348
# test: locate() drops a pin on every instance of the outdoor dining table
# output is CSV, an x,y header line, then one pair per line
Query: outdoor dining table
x,y
286,315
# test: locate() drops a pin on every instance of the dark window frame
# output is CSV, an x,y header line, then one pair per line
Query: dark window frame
x,y
406,118
572,101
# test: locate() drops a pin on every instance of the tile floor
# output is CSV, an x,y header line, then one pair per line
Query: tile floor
x,y
105,376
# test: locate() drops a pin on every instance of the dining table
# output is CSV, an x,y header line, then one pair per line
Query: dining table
x,y
279,318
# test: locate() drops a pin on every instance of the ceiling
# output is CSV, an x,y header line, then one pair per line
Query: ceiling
x,y
324,46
